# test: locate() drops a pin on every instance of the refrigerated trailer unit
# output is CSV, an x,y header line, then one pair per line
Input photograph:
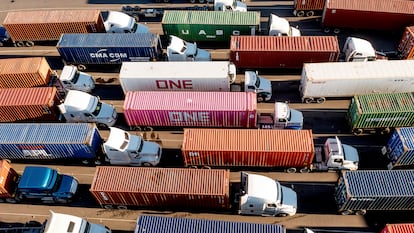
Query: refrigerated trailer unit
x,y
400,148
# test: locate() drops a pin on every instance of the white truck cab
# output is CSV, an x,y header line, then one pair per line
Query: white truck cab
x,y
62,223
123,148
180,50
230,5
356,49
73,79
280,27
283,117
118,22
79,106
261,195
255,83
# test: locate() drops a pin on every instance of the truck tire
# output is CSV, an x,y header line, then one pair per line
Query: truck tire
x,y
320,100
304,170
308,100
337,30
310,13
327,30
192,1
29,43
146,164
361,212
122,207
358,131
300,14
11,200
108,207
201,1
19,44
260,98
81,67
346,212
291,170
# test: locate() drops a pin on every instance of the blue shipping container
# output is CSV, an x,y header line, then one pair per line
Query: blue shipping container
x,y
109,48
159,224
400,147
49,141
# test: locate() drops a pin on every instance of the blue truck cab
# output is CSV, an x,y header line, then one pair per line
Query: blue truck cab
x,y
46,185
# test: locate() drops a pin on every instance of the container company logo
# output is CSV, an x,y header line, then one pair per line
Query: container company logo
x,y
385,119
113,57
189,117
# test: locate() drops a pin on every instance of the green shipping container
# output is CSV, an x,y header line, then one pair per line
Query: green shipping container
x,y
215,26
381,112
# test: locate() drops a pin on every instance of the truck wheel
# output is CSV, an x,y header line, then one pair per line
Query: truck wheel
x,y
201,1
291,170
146,164
361,212
282,215
108,207
29,43
310,13
385,131
11,200
327,30
308,100
81,67
337,30
320,100
346,212
300,14
260,99
304,170
358,131
206,167
121,207
192,1
19,44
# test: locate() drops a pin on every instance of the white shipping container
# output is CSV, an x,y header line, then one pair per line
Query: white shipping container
x,y
175,76
346,79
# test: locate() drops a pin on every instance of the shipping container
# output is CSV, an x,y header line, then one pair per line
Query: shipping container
x,y
346,79
375,190
26,27
162,224
29,104
184,109
406,45
110,48
216,26
24,72
161,187
391,15
8,179
308,7
380,112
291,52
248,147
398,228
400,148
49,141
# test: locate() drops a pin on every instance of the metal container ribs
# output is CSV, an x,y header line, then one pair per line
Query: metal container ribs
x,y
400,147
406,45
398,228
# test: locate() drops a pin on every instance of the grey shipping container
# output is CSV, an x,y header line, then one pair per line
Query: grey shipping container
x,y
375,190
115,48
49,141
161,224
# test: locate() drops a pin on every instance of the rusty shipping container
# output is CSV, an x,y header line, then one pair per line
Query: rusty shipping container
x,y
270,52
398,228
8,179
406,45
29,104
248,147
308,7
180,188
49,25
390,15
24,72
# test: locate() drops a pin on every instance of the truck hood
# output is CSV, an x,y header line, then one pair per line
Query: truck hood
x,y
68,186
265,85
203,55
351,154
107,115
240,6
289,200
150,148
296,118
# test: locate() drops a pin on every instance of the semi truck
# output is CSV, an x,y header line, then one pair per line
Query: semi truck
x,y
269,52
380,112
182,188
278,26
287,149
213,76
205,109
25,28
400,148
75,141
406,45
36,72
181,50
35,184
43,104
164,224
346,79
358,192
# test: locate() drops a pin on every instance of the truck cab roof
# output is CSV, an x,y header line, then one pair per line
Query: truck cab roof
x,y
41,178
80,101
255,184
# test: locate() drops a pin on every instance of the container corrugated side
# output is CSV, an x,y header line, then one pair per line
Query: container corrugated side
x,y
161,187
109,48
282,51
29,104
400,147
49,141
178,108
162,224
398,228
210,25
8,179
248,147
368,14
406,45
346,79
305,5
50,24
174,76
24,72
384,190
382,110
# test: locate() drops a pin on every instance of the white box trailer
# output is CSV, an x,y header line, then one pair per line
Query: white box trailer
x,y
346,79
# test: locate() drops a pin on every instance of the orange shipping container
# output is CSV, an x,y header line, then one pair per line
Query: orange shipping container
x,y
24,72
8,179
406,45
399,228
161,187
248,147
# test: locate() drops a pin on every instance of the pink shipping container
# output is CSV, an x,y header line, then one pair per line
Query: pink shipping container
x,y
391,15
269,52
399,228
161,187
190,109
308,7
248,147
406,45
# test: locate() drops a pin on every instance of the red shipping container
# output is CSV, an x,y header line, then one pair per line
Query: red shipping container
x,y
406,45
308,7
178,108
29,104
8,179
399,228
271,52
161,187
248,147
391,15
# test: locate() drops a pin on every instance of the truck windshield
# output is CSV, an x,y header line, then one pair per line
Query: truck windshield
x,y
257,83
97,109
134,28
141,144
87,227
184,47
75,77
57,182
